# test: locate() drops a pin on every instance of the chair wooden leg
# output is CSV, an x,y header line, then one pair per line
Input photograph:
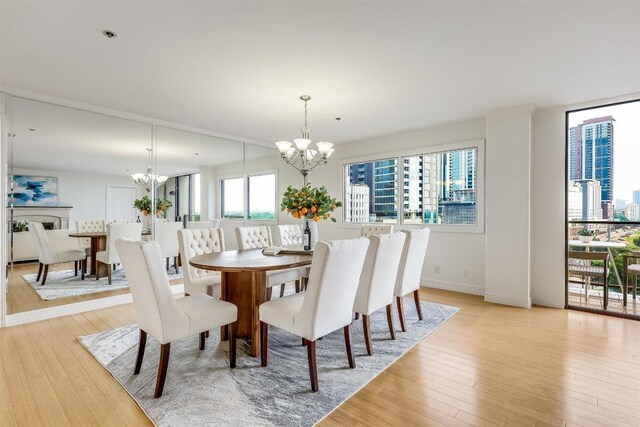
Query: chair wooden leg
x,y
97,272
313,366
357,316
44,274
109,275
175,264
202,337
75,268
392,331
416,298
232,333
269,293
297,286
347,343
399,303
367,333
165,349
206,334
282,290
141,346
264,339
83,268
167,264
39,271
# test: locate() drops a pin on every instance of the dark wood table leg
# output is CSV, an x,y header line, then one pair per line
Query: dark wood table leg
x,y
247,290
224,279
94,251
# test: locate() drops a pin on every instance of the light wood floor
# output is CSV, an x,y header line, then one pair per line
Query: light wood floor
x,y
488,365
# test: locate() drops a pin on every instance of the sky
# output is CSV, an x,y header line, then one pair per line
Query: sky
x,y
626,144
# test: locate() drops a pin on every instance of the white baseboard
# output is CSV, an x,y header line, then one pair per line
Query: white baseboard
x,y
508,300
78,307
464,288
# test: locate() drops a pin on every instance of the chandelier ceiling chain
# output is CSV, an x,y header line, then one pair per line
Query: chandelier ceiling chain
x,y
147,179
299,155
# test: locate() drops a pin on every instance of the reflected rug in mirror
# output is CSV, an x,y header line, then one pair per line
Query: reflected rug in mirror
x,y
201,389
63,283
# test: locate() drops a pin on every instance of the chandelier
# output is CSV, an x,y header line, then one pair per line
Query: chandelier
x,y
147,179
301,154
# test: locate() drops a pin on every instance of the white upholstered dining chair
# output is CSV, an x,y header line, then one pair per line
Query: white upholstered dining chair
x,y
160,315
290,235
212,223
374,229
326,306
48,255
378,280
410,270
89,226
166,234
260,237
131,231
194,242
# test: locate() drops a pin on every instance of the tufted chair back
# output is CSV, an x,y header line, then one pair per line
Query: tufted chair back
x,y
45,254
413,257
198,241
89,226
253,237
213,223
375,229
167,237
287,234
132,231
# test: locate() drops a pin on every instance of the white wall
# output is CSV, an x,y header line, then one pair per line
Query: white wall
x,y
86,193
508,164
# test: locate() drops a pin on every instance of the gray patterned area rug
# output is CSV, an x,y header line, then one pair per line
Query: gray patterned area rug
x,y
201,389
63,283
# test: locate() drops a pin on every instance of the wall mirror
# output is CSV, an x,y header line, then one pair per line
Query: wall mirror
x,y
69,171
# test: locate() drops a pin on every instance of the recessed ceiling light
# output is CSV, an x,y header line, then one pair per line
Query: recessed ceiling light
x,y
196,154
32,129
338,118
109,34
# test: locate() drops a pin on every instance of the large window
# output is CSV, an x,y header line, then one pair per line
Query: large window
x,y
262,197
259,201
435,188
232,198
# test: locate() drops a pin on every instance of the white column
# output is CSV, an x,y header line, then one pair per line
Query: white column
x,y
507,201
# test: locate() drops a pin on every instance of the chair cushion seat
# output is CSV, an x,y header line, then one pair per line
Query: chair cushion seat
x,y
209,285
279,277
586,270
205,312
280,312
70,255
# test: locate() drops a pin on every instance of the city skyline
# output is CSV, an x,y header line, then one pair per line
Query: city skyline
x,y
626,149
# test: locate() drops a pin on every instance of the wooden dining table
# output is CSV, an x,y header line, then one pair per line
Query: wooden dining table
x,y
98,241
244,283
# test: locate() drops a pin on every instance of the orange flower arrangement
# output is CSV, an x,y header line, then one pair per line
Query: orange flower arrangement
x,y
309,203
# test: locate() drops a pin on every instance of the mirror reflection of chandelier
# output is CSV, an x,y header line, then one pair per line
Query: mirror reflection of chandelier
x,y
146,179
300,154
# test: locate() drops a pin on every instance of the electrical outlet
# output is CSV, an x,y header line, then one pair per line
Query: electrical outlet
x,y
436,269
466,272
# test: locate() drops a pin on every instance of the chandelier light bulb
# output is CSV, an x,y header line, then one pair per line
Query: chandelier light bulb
x,y
283,146
324,147
302,143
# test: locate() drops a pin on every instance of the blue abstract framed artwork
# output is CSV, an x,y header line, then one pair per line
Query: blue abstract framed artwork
x,y
35,190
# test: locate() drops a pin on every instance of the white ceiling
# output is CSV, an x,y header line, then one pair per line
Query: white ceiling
x,y
384,67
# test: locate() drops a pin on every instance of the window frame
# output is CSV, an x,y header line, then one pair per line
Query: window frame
x,y
478,144
276,205
221,198
245,199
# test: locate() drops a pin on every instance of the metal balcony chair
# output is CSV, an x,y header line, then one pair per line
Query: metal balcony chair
x,y
580,264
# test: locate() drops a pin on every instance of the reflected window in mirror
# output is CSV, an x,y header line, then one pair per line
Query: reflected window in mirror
x,y
232,198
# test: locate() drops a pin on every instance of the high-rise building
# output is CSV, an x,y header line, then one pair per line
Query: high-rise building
x,y
636,197
356,203
584,200
458,193
591,155
380,177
